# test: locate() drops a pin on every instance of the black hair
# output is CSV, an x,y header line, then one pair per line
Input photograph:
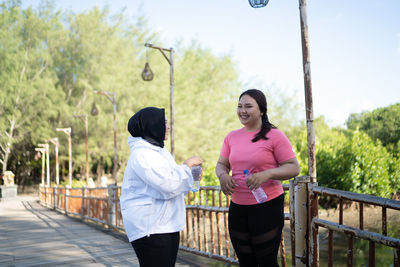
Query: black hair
x,y
266,126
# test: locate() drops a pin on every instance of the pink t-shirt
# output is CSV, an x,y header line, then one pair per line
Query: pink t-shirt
x,y
256,157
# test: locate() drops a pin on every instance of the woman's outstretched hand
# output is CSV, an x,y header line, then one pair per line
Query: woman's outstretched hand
x,y
192,161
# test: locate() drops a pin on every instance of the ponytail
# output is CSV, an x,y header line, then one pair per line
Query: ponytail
x,y
266,126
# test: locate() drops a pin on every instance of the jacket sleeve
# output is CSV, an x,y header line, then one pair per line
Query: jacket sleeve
x,y
164,180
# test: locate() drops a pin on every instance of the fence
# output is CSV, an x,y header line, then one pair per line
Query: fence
x,y
352,232
206,231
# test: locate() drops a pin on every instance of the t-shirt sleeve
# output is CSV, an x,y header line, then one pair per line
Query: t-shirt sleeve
x,y
226,149
283,150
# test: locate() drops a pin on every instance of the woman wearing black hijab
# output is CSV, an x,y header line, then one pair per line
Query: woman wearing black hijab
x,y
152,197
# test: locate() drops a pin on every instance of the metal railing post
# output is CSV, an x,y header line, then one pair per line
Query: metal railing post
x,y
83,202
313,229
66,200
111,207
301,220
55,197
292,222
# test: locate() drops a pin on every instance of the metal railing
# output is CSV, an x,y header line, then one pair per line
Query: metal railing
x,y
352,232
206,231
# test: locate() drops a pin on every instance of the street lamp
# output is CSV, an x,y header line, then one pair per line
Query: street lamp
x,y
68,131
171,82
56,144
46,149
258,3
43,151
312,168
94,111
113,98
84,118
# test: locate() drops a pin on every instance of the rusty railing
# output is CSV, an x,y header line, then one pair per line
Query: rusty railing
x,y
352,232
206,231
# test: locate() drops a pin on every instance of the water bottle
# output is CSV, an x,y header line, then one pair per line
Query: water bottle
x,y
196,173
258,193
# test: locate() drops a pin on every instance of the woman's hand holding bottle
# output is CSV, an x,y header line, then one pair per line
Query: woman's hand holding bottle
x,y
192,161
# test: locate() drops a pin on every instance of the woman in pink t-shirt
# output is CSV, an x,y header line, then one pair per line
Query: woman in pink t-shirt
x,y
255,228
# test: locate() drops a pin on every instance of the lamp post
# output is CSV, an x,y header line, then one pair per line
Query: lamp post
x,y
43,152
84,118
46,149
171,83
55,142
112,96
312,168
68,131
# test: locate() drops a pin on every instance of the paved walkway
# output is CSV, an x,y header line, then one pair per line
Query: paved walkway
x,y
31,235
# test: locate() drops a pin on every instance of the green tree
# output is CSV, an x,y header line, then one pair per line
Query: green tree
x,y
206,90
382,123
350,160
28,94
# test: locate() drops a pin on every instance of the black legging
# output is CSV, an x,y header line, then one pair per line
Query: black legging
x,y
157,250
255,232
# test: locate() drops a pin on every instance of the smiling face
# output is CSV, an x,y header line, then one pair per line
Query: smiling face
x,y
249,113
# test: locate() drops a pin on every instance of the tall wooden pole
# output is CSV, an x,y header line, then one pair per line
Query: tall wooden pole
x,y
68,131
115,167
312,166
85,121
171,98
112,96
57,164
87,148
69,158
42,151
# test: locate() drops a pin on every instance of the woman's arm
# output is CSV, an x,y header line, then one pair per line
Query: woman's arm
x,y
226,181
288,169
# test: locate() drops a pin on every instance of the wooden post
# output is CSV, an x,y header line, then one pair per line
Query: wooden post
x,y
111,207
292,221
45,196
66,200
301,219
313,231
83,202
312,165
55,197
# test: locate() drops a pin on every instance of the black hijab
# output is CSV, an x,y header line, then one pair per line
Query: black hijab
x,y
148,123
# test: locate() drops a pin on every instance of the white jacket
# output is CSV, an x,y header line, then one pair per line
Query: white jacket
x,y
152,197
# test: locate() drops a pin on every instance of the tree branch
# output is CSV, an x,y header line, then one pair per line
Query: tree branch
x,y
39,72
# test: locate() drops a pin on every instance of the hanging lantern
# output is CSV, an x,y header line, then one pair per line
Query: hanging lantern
x,y
147,74
258,3
94,111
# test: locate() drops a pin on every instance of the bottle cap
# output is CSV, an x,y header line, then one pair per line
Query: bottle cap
x,y
246,171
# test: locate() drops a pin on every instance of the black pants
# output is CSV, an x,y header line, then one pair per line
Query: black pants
x,y
158,250
255,232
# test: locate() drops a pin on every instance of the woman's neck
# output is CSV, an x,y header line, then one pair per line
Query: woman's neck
x,y
253,127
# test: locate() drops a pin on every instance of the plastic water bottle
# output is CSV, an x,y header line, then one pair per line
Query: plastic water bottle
x,y
196,173
258,193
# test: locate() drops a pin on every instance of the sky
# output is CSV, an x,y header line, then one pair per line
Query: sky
x,y
354,45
